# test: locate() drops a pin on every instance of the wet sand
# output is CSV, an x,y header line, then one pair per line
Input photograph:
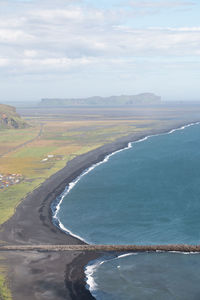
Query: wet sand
x,y
44,275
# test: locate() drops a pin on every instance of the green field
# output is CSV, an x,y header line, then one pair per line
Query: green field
x,y
62,141
53,140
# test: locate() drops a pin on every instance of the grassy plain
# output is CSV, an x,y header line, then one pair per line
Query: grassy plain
x,y
59,142
57,136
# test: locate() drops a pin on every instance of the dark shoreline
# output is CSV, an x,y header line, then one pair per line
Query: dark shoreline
x,y
32,222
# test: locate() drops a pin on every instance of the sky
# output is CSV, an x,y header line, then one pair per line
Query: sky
x,y
83,48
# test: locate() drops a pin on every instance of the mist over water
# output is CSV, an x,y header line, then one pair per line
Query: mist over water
x,y
148,194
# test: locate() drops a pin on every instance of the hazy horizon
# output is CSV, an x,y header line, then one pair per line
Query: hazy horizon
x,y
83,48
35,101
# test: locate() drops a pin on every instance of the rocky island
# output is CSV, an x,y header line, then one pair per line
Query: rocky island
x,y
123,100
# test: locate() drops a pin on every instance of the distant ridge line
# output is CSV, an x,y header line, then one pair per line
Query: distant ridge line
x,y
117,248
123,100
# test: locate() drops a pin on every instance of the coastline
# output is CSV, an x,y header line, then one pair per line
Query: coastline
x,y
57,203
32,222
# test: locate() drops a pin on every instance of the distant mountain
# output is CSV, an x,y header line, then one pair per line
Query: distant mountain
x,y
9,118
124,100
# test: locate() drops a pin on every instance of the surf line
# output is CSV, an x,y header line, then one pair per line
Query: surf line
x,y
94,265
56,205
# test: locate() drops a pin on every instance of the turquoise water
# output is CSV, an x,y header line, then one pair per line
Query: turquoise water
x,y
148,194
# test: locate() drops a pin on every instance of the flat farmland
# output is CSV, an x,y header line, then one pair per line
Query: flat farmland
x,y
58,135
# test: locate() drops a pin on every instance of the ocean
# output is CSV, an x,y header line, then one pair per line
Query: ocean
x,y
149,193
146,276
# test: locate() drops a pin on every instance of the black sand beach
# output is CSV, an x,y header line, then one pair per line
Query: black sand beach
x,y
49,275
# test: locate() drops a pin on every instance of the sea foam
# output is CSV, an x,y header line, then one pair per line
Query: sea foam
x,y
91,268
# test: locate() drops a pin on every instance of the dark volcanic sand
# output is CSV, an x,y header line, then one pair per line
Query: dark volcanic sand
x,y
53,275
42,275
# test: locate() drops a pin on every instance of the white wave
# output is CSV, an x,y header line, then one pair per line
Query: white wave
x,y
89,271
72,185
106,159
125,255
168,132
63,228
178,252
185,253
92,268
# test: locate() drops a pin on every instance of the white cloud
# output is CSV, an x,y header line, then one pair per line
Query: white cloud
x,y
184,29
4,62
143,8
30,53
62,37
62,62
58,14
160,4
14,36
